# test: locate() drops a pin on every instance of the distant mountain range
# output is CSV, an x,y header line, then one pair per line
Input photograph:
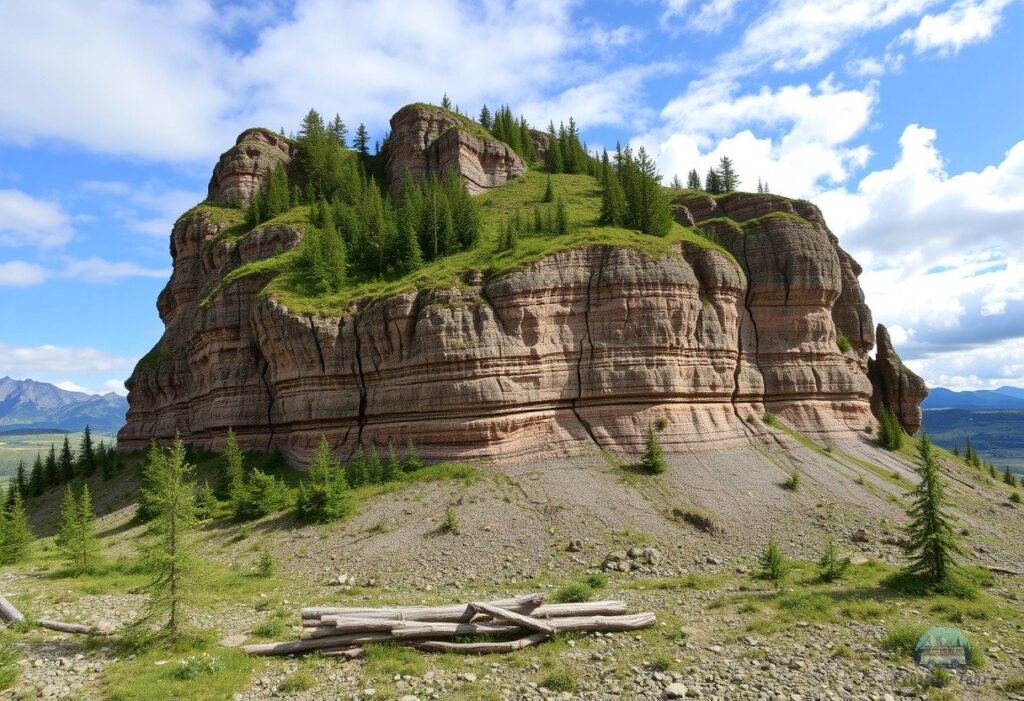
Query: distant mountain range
x,y
28,405
1002,399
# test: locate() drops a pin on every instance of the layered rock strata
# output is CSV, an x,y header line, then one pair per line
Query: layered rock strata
x,y
896,386
243,168
429,140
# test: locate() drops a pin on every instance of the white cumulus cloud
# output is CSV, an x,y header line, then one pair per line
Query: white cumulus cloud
x,y
966,22
28,221
18,273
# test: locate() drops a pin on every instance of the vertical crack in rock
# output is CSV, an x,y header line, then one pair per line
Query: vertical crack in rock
x,y
319,350
782,268
262,360
739,335
362,386
579,359
487,300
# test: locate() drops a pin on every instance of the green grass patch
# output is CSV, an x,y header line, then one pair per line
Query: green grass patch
x,y
902,637
158,674
299,680
561,680
574,593
385,661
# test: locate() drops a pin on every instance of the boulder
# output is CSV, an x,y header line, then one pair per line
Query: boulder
x,y
895,386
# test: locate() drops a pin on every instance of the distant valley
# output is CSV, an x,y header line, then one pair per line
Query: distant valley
x,y
994,420
34,415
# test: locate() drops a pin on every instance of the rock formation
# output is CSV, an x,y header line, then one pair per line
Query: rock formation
x,y
896,386
426,139
241,170
584,348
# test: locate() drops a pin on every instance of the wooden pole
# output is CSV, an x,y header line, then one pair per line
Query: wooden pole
x,y
76,628
500,614
9,613
479,648
455,612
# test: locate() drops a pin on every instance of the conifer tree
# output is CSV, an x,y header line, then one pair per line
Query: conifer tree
x,y
653,461
392,469
1009,478
51,471
169,552
832,565
355,471
374,468
553,159
322,252
66,466
549,191
232,486
37,479
649,208
693,180
538,221
446,102
931,529
485,118
413,461
86,454
206,502
561,218
339,131
772,565
324,494
890,432
362,140
613,201
677,184
713,182
75,533
15,535
727,175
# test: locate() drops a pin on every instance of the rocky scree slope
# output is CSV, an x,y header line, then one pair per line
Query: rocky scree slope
x,y
584,348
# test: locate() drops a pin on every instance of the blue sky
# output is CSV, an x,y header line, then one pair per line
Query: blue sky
x,y
902,119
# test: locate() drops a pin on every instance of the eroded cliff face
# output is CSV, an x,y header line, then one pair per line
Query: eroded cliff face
x,y
583,349
243,168
427,140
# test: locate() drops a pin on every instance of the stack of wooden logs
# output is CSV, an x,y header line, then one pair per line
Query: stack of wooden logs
x,y
519,622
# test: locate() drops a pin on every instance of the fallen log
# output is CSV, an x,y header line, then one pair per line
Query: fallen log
x,y
479,648
349,653
500,614
9,613
1002,570
405,630
63,627
455,612
315,644
587,608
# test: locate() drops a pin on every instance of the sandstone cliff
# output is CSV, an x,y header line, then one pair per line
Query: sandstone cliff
x,y
584,348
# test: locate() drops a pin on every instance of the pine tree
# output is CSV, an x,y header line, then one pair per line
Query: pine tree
x,y
75,532
561,217
613,201
324,494
772,565
446,102
338,131
355,472
15,535
485,118
169,551
727,175
362,140
51,471
37,479
549,191
392,466
676,184
232,485
413,461
374,467
832,566
693,180
970,456
206,502
86,454
146,510
931,530
890,432
649,208
1009,478
66,466
713,182
653,461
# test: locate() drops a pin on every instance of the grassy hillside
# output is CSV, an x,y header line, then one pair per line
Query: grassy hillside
x,y
25,446
580,193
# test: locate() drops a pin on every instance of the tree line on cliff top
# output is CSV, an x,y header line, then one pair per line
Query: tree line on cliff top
x,y
358,228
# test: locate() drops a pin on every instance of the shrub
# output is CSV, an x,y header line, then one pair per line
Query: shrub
x,y
661,423
1014,685
890,432
561,680
698,518
574,594
654,460
265,565
596,580
274,628
772,565
1015,497
903,637
843,342
451,521
832,566
324,496
793,483
771,419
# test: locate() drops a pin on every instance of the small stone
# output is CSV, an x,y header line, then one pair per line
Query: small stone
x,y
675,691
469,677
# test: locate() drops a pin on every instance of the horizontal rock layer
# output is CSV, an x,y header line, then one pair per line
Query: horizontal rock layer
x,y
584,348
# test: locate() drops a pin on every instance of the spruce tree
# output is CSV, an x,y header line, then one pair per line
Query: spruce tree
x,y
338,131
931,531
693,180
676,184
713,182
613,201
169,551
727,175
446,102
206,502
362,140
413,461
15,535
66,465
51,470
75,531
37,479
392,466
549,191
653,461
890,432
561,217
648,204
86,454
832,565
324,495
485,118
232,485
